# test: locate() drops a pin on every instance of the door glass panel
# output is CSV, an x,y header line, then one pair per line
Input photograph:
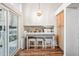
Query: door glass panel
x,y
2,32
13,33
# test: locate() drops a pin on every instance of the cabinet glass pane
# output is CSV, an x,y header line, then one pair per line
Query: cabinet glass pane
x,y
13,33
13,28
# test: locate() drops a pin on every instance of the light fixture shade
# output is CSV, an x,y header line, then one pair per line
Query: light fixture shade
x,y
39,12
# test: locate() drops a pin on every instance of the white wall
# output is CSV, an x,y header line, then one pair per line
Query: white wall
x,y
48,15
30,17
21,29
72,32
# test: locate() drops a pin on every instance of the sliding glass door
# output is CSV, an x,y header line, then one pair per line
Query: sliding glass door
x,y
13,33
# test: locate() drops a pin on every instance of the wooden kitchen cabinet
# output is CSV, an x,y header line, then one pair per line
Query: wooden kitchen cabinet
x,y
58,20
60,29
62,18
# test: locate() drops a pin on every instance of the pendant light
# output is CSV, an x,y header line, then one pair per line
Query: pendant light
x,y
39,11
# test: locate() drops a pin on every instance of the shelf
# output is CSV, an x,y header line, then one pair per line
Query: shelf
x,y
12,34
50,34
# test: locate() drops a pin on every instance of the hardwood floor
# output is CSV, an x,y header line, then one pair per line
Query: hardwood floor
x,y
40,52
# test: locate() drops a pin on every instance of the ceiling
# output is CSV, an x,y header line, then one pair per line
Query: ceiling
x,y
49,5
74,5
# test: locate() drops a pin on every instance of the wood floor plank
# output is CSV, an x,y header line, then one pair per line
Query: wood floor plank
x,y
41,52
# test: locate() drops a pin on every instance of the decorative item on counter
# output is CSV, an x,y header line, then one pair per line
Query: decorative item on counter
x,y
47,30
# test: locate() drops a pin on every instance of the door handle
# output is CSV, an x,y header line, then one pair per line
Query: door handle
x,y
0,45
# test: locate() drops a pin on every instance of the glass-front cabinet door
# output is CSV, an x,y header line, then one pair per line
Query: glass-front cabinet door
x,y
8,32
2,32
13,33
